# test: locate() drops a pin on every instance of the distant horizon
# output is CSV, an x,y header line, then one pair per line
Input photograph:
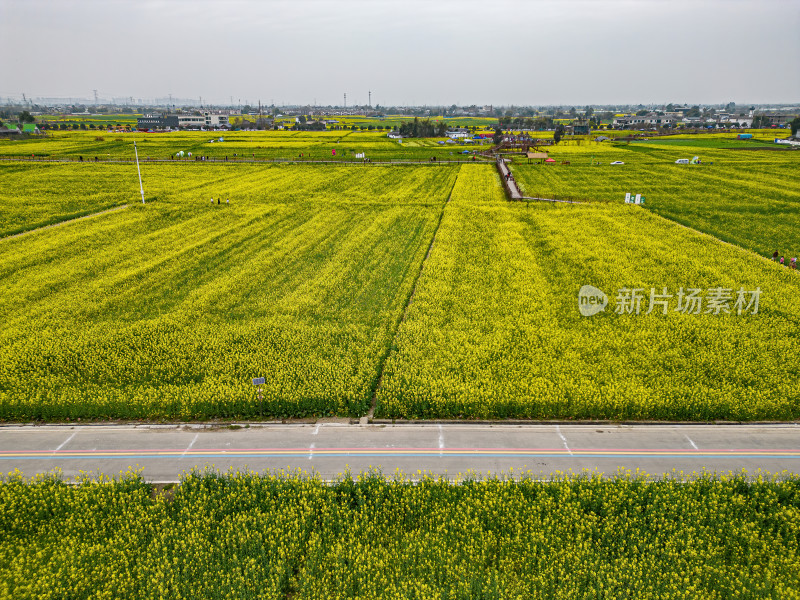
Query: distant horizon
x,y
51,101
406,53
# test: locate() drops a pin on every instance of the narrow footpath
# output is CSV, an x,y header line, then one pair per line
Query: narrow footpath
x,y
509,183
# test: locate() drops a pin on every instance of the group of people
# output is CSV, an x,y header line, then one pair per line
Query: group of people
x,y
792,264
219,200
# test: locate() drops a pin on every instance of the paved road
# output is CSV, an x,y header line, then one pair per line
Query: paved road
x,y
164,452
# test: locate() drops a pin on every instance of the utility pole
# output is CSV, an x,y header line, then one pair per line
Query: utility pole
x,y
345,99
370,98
95,97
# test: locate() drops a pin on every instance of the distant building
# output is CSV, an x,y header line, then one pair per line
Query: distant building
x,y
191,121
581,127
216,120
736,121
150,122
777,119
394,135
629,121
160,122
9,131
645,121
456,134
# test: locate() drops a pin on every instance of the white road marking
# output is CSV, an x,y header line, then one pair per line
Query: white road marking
x,y
65,442
311,452
691,442
316,429
189,447
563,439
441,440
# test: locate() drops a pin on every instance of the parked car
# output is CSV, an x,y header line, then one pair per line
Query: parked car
x,y
617,162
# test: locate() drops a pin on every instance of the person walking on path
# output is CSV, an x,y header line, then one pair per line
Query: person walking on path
x,y
775,255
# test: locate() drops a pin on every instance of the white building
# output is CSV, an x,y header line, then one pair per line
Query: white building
x,y
642,121
216,120
458,134
206,120
191,121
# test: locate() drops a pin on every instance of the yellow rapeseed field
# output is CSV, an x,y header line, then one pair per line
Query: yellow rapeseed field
x,y
244,536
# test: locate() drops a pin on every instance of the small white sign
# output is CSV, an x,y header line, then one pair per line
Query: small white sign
x,y
628,198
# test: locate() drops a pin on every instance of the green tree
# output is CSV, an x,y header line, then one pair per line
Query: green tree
x,y
558,133
795,125
26,117
498,135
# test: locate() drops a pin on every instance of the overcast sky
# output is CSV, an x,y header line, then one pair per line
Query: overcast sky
x,y
406,52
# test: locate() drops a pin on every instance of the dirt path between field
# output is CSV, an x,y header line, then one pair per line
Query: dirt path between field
x,y
43,227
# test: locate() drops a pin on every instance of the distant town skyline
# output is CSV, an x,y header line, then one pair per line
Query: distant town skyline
x,y
411,53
